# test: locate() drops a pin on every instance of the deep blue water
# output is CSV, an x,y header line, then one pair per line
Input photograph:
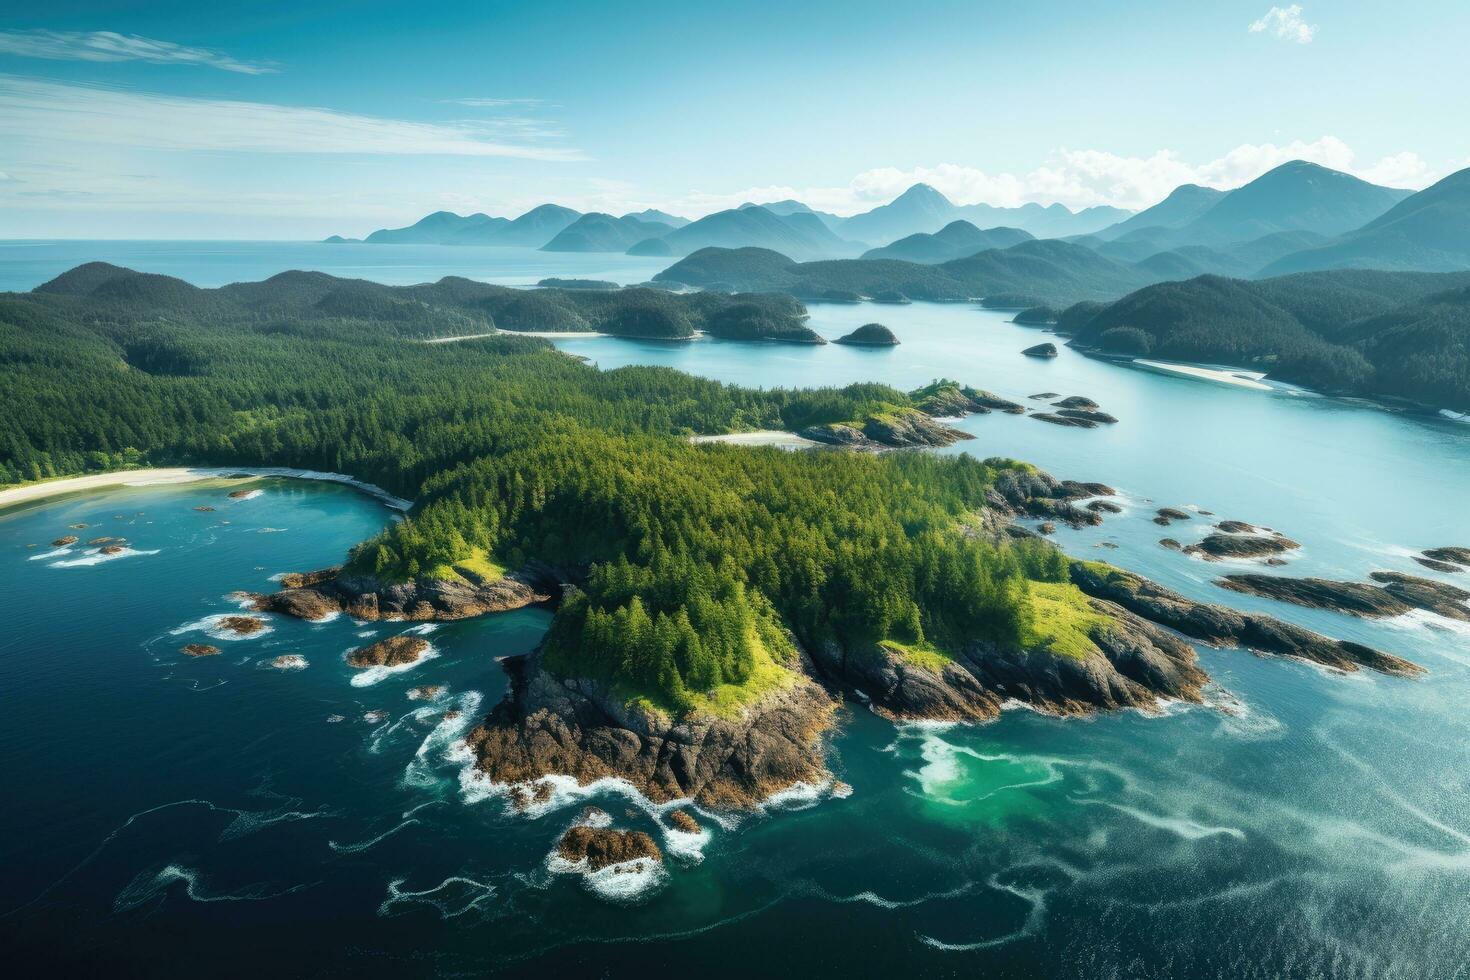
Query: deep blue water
x,y
173,816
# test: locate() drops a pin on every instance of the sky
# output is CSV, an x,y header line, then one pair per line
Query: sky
x,y
297,120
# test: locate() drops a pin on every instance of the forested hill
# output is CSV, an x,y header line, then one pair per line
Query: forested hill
x,y
702,556
1056,271
1397,334
451,307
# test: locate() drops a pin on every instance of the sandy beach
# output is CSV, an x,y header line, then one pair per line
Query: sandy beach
x,y
1229,376
181,474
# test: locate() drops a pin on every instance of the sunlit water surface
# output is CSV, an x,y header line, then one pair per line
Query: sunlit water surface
x,y
179,816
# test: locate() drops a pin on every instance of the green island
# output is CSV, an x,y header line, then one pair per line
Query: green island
x,y
712,601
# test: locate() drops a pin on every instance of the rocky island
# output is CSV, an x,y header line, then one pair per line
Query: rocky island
x,y
869,335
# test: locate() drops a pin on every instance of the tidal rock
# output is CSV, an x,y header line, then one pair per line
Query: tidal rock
x,y
601,847
289,661
1102,418
426,692
205,510
395,651
1170,543
1221,626
1436,597
1217,547
1236,527
1077,402
375,716
1041,350
1173,514
1105,507
682,821
1459,556
198,650
65,541
992,402
241,625
237,494
1434,564
1046,527
1042,396
1354,598
1057,418
111,549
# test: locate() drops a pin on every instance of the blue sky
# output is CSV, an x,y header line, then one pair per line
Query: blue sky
x,y
296,120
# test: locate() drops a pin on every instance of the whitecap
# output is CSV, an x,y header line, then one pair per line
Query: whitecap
x,y
96,557
210,625
287,661
57,553
1181,827
438,747
146,887
422,629
373,675
451,898
625,883
248,495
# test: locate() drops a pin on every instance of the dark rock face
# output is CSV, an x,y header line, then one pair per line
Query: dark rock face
x,y
1041,350
1057,418
547,725
1038,494
198,650
367,597
1221,546
1078,402
1105,507
988,401
1042,396
395,651
1220,626
1353,598
1171,544
1135,665
1236,527
603,846
1434,564
1101,418
1173,514
1394,595
65,540
1459,556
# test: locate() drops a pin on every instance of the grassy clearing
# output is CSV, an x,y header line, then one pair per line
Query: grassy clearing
x,y
1062,620
919,654
725,700
478,564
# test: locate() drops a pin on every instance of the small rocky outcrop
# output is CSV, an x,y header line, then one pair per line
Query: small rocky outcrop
x,y
1220,547
1104,507
237,494
1452,555
1034,493
566,726
1435,565
395,651
1042,396
205,510
1077,402
1221,626
368,597
992,402
199,650
65,541
111,549
426,692
1237,527
1056,418
683,822
869,335
1041,350
1099,418
602,847
1391,594
240,625
1171,544
1173,514
289,661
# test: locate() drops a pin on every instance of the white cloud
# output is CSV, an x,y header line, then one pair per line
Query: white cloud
x,y
33,110
1078,179
110,46
1285,24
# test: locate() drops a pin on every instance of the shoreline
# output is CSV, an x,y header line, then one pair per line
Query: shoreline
x,y
761,437
169,475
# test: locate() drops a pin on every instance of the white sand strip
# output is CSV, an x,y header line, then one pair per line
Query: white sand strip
x,y
182,474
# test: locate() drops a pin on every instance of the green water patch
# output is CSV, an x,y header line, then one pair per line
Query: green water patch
x,y
956,782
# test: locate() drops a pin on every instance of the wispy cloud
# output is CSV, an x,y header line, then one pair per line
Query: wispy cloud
x,y
110,46
478,103
1078,178
1285,24
39,110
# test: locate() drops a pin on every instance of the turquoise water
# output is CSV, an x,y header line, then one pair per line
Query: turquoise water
x,y
177,816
